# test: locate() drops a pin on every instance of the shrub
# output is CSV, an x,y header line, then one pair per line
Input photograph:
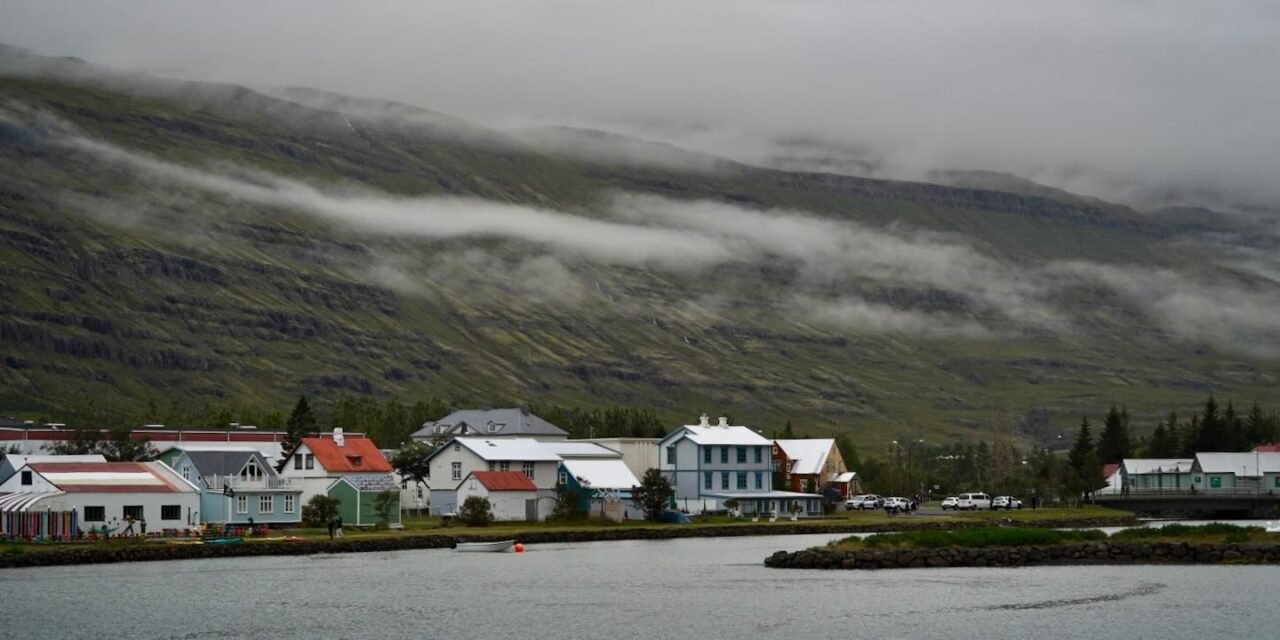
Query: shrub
x,y
476,512
319,510
981,537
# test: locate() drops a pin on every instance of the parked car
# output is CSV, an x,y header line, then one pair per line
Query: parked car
x,y
1005,502
972,501
950,502
901,504
863,502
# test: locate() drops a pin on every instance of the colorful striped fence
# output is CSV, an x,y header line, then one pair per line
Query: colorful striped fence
x,y
39,525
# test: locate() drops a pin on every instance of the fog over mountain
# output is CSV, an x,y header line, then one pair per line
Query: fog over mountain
x,y
1148,103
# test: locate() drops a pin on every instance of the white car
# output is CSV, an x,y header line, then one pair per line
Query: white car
x,y
901,504
1005,502
950,502
972,501
869,501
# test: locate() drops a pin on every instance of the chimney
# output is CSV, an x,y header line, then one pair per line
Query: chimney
x,y
337,437
724,422
704,421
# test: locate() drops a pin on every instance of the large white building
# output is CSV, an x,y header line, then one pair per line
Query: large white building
x,y
708,464
111,494
461,456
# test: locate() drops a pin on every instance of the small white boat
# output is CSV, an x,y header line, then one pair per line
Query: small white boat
x,y
497,546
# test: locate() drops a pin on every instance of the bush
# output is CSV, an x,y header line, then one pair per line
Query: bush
x,y
1231,532
981,537
319,510
476,512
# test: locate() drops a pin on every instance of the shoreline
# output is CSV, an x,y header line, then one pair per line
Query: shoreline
x,y
88,553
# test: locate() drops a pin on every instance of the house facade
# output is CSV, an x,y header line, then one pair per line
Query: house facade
x,y
1155,474
808,465
708,464
599,475
1246,471
461,456
319,463
237,485
119,496
512,495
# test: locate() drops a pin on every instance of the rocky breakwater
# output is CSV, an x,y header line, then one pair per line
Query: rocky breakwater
x,y
1101,552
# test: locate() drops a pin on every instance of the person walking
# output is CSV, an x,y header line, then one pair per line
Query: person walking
x,y
339,530
331,526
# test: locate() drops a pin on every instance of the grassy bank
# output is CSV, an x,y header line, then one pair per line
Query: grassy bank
x,y
985,537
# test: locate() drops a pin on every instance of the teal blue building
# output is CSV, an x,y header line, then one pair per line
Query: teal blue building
x,y
237,485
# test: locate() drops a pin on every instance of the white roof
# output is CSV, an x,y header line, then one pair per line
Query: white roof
x,y
22,501
1139,466
19,459
1241,464
808,455
602,474
523,449
569,449
716,435
847,476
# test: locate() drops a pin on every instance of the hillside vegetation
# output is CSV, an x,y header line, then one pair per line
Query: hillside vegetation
x,y
124,283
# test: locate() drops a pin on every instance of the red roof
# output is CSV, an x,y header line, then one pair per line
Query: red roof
x,y
354,456
1268,448
1109,469
504,481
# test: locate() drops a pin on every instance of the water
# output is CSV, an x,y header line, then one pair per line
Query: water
x,y
690,588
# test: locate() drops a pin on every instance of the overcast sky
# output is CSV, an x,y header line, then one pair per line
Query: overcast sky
x,y
1103,97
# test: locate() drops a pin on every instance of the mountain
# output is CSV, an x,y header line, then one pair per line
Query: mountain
x,y
188,243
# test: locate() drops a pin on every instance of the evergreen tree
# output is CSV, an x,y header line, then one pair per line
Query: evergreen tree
x,y
1212,435
1082,447
848,451
1114,444
1258,428
1164,443
301,423
787,432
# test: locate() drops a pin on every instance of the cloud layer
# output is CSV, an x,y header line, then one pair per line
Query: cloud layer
x,y
1133,100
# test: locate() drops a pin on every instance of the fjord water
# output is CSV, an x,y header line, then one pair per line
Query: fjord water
x,y
689,588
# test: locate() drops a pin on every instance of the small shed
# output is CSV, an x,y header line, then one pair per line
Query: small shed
x,y
512,495
357,499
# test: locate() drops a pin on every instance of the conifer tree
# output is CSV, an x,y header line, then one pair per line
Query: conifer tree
x,y
302,422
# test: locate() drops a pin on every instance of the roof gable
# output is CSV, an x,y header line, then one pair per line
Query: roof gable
x,y
490,422
111,477
513,449
808,456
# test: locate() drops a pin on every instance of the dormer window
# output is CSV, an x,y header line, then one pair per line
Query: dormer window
x,y
251,471
355,461
494,427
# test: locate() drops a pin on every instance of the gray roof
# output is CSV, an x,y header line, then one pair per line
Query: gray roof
x,y
226,463
380,482
489,423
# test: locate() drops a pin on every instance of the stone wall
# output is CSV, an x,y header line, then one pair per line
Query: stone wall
x,y
95,553
1101,552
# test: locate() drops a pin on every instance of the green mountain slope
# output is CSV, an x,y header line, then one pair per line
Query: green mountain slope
x,y
119,287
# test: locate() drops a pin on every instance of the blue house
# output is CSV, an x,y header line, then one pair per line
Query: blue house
x,y
237,484
708,465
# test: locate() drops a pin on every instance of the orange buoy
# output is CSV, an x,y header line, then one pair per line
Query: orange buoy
x,y
519,548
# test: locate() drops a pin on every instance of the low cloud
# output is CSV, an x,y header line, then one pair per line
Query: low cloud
x,y
853,315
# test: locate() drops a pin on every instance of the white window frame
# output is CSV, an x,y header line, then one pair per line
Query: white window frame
x,y
242,503
563,477
528,468
297,462
311,461
186,472
505,465
290,504
457,470
266,504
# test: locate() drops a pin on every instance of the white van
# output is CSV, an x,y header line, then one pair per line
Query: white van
x,y
972,501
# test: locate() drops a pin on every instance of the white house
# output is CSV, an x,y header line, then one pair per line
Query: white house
x,y
10,463
319,461
461,456
511,494
709,464
1155,474
120,496
1246,471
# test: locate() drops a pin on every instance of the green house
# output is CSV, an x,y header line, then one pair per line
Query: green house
x,y
357,495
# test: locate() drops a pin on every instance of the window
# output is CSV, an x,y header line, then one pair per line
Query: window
x,y
457,446
563,478
759,454
505,465
356,461
311,461
289,505
724,455
1276,480
266,504
457,470
742,455
759,480
132,511
186,472
251,471
26,478
95,514
671,455
742,478
493,466
170,512
404,484
242,503
706,455
706,480
724,479
527,468
297,462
